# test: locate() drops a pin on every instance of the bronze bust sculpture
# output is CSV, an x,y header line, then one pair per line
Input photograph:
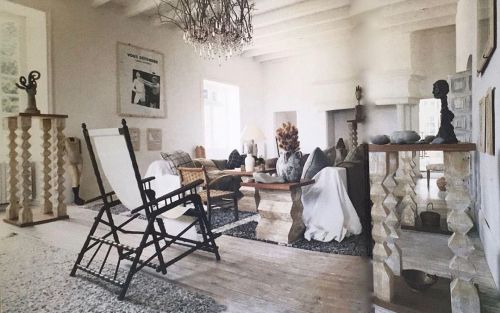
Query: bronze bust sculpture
x,y
446,132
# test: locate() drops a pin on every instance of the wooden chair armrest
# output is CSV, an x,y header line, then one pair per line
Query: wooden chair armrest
x,y
176,192
147,179
217,179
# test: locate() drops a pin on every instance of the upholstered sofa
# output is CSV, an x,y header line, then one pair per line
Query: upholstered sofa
x,y
356,165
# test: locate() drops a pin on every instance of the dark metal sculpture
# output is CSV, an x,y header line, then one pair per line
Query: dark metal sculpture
x,y
29,85
446,132
153,234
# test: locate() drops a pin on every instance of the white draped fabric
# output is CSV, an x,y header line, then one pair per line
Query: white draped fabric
x,y
163,184
328,211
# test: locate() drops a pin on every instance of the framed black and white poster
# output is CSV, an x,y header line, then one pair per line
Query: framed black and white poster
x,y
140,82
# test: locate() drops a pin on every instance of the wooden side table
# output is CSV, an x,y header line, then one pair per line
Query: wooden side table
x,y
280,210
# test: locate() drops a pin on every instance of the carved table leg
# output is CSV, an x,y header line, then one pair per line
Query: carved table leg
x,y
414,163
383,276
13,208
46,125
25,215
250,200
406,189
391,202
61,206
464,295
280,215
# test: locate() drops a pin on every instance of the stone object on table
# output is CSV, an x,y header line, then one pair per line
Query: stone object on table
x,y
380,139
429,139
404,137
419,281
441,183
267,179
438,141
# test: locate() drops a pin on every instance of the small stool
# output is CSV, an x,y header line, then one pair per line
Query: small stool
x,y
435,168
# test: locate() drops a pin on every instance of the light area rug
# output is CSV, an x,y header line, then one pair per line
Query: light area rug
x,y
34,277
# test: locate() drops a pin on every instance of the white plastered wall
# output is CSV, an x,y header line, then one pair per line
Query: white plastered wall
x,y
83,54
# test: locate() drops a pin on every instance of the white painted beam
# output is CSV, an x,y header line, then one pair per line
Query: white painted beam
x,y
332,29
301,22
420,15
139,7
295,11
263,6
98,3
426,24
414,6
292,44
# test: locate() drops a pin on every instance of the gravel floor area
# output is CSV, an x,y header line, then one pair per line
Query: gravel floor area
x,y
355,245
36,279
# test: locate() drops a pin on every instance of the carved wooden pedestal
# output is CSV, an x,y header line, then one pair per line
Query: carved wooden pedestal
x,y
386,253
464,295
280,210
391,188
20,211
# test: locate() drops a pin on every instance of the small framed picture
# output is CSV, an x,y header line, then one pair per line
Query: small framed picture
x,y
154,139
135,137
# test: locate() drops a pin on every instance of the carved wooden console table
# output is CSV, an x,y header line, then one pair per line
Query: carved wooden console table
x,y
19,211
393,177
280,209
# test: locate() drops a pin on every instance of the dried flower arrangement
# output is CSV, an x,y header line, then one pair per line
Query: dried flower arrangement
x,y
288,137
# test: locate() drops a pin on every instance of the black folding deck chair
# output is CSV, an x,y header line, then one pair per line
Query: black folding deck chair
x,y
117,159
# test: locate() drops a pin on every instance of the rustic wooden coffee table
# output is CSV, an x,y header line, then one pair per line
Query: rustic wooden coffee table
x,y
250,200
280,208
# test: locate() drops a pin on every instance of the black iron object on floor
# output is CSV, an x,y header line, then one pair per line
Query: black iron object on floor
x,y
155,233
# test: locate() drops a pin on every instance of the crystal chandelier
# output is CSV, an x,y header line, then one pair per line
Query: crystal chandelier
x,y
215,28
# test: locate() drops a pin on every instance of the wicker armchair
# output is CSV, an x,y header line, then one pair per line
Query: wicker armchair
x,y
208,195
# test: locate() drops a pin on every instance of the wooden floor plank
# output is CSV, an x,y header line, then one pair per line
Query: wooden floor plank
x,y
252,276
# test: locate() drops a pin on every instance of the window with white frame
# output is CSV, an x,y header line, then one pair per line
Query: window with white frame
x,y
221,103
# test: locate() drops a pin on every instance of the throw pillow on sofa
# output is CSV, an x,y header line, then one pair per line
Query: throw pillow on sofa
x,y
235,159
316,161
207,163
177,159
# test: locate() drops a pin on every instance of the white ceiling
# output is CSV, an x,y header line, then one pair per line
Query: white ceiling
x,y
283,28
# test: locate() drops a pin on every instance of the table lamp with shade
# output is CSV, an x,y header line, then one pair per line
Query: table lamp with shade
x,y
251,133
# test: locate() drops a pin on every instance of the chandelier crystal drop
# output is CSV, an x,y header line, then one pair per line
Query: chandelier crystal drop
x,y
215,28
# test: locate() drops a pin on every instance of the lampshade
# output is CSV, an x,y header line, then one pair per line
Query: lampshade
x,y
251,132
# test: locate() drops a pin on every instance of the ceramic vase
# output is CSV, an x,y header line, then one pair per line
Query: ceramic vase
x,y
288,166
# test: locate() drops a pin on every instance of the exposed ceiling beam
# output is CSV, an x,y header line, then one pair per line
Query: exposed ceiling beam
x,y
427,24
98,3
304,21
263,6
420,15
139,7
414,6
298,10
332,29
292,44
276,56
